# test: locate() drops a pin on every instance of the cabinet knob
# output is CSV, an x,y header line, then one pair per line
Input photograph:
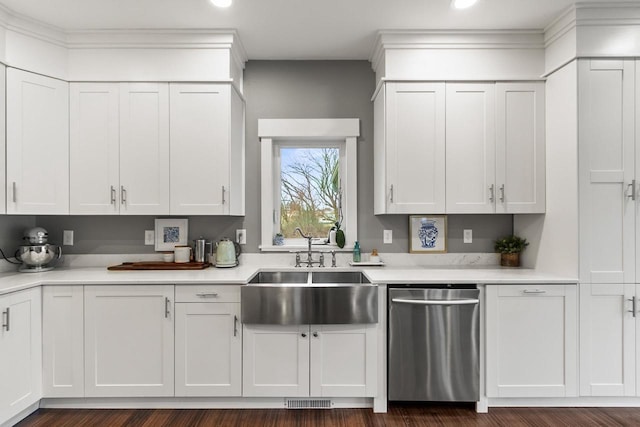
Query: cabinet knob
x,y
315,334
304,335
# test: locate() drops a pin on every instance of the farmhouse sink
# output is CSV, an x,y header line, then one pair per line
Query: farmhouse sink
x,y
314,297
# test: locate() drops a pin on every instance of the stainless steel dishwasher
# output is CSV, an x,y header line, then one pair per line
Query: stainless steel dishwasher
x,y
434,339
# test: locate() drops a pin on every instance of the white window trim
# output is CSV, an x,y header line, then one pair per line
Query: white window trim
x,y
274,131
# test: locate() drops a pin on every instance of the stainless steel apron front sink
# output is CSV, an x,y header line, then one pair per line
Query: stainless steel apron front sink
x,y
297,298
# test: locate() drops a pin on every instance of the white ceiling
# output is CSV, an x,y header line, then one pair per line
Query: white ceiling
x,y
293,29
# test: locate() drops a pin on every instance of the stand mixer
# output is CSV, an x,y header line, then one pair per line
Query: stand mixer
x,y
36,254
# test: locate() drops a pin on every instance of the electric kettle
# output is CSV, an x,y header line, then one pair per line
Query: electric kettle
x,y
227,253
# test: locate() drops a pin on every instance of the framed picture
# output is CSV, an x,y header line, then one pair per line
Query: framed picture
x,y
171,232
427,234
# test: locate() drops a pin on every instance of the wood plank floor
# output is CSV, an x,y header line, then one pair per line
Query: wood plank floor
x,y
405,415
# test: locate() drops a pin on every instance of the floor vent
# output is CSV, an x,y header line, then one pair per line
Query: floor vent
x,y
308,403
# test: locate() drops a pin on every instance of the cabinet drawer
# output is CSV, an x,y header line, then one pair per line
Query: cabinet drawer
x,y
207,293
531,289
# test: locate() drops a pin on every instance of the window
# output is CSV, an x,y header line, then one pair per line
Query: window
x,y
308,180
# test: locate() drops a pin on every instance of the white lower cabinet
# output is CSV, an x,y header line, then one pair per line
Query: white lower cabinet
x,y
20,352
129,340
608,339
63,341
208,352
532,339
310,360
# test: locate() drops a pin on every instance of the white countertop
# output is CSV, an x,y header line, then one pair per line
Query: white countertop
x,y
14,281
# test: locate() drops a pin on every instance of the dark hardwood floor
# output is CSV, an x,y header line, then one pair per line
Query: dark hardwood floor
x,y
405,415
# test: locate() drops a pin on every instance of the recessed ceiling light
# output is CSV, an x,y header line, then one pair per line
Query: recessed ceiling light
x,y
221,3
462,4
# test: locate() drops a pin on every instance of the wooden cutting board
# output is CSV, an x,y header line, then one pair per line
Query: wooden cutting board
x,y
159,265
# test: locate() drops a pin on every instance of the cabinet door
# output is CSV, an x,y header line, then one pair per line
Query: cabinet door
x,y
37,144
128,341
144,148
20,352
275,361
531,340
606,158
208,349
3,145
200,152
343,360
607,340
471,148
415,147
63,341
94,153
520,150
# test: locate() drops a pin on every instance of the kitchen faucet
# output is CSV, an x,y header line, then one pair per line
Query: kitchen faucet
x,y
310,253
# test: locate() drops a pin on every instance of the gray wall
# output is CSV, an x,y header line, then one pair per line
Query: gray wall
x,y
279,89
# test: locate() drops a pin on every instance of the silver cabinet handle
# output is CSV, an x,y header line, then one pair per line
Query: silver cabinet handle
x,y
632,187
492,196
534,291
5,319
235,326
167,307
113,195
633,306
436,301
207,295
502,193
391,193
223,192
123,195
13,192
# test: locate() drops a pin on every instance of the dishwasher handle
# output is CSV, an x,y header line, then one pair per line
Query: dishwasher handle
x,y
436,302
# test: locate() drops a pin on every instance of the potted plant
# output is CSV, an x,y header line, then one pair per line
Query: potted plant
x,y
278,239
509,248
340,238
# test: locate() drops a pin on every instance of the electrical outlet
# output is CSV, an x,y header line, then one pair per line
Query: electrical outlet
x,y
241,236
467,236
149,237
387,236
67,237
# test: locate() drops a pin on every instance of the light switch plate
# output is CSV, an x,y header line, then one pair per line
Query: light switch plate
x,y
387,236
241,236
67,237
467,236
149,237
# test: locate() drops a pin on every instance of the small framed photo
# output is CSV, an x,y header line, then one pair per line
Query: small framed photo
x,y
427,234
171,232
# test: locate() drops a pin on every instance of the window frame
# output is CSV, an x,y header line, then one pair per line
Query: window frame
x,y
276,133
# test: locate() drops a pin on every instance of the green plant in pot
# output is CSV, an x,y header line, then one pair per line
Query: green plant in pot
x,y
509,248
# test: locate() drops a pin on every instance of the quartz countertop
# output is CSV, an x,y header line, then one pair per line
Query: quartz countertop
x,y
14,281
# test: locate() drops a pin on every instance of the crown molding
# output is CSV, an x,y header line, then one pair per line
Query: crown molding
x,y
126,38
454,39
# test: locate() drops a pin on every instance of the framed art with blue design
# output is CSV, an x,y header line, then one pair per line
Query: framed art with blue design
x,y
171,232
427,234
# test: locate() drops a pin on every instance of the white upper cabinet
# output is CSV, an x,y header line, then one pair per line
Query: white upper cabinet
x,y
94,148
207,150
608,202
144,148
471,148
520,148
409,148
119,148
3,164
37,144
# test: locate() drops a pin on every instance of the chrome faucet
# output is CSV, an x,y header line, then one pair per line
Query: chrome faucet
x,y
309,259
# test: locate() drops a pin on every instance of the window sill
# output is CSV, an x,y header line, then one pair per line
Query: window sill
x,y
299,248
